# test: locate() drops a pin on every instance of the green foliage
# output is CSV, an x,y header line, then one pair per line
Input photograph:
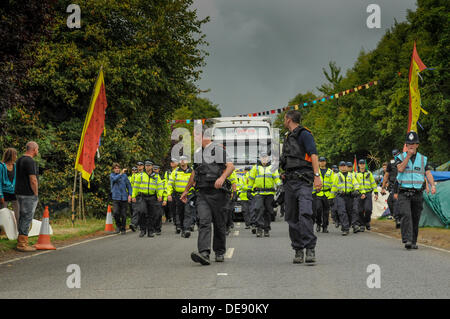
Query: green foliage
x,y
151,55
372,122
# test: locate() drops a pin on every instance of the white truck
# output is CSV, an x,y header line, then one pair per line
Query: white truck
x,y
244,139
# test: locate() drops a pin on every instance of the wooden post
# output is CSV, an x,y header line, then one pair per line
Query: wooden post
x,y
73,198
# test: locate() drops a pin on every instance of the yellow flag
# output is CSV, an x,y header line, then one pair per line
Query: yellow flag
x,y
414,94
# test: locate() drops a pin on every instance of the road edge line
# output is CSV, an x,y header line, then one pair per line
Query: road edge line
x,y
420,244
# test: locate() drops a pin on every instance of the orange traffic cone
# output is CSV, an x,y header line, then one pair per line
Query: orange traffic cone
x,y
44,234
109,221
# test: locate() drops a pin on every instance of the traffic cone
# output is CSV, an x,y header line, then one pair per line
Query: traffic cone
x,y
44,234
109,221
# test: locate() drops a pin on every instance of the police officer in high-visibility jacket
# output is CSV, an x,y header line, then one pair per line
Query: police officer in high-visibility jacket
x,y
321,205
413,169
134,213
341,190
175,187
139,197
334,213
242,193
367,185
263,180
231,198
353,217
160,203
170,208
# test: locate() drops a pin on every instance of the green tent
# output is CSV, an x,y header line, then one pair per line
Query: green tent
x,y
436,208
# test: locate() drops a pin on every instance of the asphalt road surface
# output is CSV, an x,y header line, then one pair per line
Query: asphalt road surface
x,y
125,266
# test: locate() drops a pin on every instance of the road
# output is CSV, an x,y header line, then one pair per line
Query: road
x,y
125,266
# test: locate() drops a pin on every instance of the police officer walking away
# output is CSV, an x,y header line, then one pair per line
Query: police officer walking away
x,y
211,168
389,180
412,168
301,166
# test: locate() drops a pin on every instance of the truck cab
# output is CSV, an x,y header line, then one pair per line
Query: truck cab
x,y
244,138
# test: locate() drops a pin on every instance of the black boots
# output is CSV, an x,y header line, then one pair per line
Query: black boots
x,y
299,255
200,258
310,255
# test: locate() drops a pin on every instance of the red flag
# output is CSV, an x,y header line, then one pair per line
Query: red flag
x,y
94,125
355,165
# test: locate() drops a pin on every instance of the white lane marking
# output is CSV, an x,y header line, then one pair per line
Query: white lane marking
x,y
238,224
58,248
236,233
432,247
229,253
222,274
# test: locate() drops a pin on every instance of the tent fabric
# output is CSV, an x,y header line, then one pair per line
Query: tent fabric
x,y
440,176
429,218
440,202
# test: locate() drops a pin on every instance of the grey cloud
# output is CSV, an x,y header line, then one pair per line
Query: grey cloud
x,y
262,52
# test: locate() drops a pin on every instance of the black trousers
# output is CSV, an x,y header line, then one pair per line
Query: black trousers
x,y
183,215
246,212
158,216
229,209
344,205
147,207
322,210
264,211
410,208
120,208
393,205
365,209
209,204
299,214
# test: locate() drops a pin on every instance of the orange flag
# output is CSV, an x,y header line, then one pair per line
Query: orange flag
x,y
93,127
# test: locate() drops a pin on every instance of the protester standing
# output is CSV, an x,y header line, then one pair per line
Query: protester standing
x,y
121,195
26,190
8,181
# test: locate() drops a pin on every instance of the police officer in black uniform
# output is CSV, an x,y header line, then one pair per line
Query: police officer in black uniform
x,y
389,180
211,169
300,164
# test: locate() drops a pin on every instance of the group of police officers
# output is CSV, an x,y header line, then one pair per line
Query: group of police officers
x,y
204,194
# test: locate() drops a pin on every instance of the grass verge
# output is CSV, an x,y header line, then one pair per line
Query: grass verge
x,y
432,236
62,232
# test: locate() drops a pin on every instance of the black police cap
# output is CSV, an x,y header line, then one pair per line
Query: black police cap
x,y
334,166
349,164
361,161
412,138
148,162
322,159
341,163
140,163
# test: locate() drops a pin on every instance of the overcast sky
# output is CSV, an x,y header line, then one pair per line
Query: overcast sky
x,y
264,52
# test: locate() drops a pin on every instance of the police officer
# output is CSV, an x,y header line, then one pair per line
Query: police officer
x,y
170,208
231,198
321,204
134,213
367,185
389,180
334,213
212,166
413,168
178,180
300,164
161,195
341,191
242,194
353,217
139,197
263,180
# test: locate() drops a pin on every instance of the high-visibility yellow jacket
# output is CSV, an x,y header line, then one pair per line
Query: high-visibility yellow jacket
x,y
262,177
343,184
327,183
178,181
366,182
140,184
242,187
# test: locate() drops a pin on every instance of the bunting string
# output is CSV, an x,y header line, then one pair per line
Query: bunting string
x,y
292,107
